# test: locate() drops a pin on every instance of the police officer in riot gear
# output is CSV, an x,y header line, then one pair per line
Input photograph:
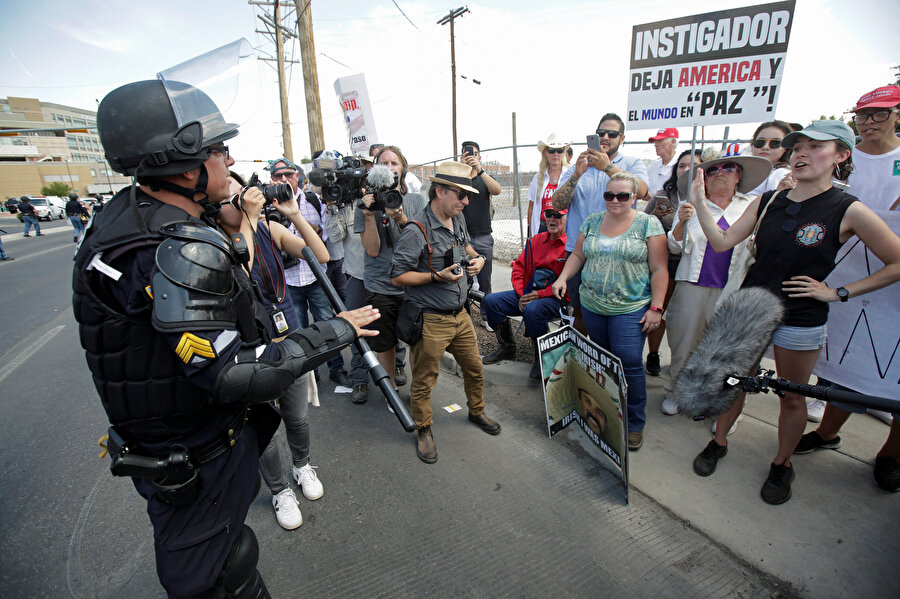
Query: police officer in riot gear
x,y
179,348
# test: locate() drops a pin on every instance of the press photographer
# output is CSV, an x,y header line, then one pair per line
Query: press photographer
x,y
306,293
380,230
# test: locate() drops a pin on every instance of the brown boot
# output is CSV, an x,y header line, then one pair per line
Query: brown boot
x,y
425,448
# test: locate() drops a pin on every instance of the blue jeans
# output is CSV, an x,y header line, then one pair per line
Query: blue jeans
x,y
77,224
356,298
621,334
537,313
311,297
2,253
31,221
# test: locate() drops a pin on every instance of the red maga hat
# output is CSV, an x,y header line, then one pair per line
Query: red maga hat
x,y
883,97
664,134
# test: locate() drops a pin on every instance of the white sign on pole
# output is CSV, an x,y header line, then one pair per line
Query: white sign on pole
x,y
717,68
353,96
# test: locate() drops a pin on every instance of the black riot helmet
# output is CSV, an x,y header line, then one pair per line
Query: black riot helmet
x,y
73,196
156,128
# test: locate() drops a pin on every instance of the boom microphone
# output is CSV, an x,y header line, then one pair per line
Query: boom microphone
x,y
317,177
736,338
381,177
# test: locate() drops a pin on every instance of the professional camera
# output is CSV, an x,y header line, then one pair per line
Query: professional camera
x,y
381,182
282,192
462,264
341,180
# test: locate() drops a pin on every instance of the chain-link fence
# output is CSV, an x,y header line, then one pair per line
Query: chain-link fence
x,y
510,220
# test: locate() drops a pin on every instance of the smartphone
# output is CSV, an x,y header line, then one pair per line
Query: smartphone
x,y
593,142
468,149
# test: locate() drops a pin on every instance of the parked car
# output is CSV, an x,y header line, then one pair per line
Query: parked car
x,y
59,203
12,205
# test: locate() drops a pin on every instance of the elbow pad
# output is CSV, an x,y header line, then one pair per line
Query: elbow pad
x,y
250,380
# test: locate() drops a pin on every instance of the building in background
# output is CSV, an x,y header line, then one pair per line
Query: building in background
x,y
61,146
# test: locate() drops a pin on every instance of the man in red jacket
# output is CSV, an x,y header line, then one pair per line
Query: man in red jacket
x,y
533,273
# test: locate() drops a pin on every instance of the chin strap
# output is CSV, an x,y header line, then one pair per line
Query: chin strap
x,y
210,210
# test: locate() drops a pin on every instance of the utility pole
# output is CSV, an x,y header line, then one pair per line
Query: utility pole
x,y
449,18
282,91
310,75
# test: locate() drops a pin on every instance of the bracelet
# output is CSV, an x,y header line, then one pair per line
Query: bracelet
x,y
432,277
657,310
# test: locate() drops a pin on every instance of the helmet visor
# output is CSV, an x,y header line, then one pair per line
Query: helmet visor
x,y
228,76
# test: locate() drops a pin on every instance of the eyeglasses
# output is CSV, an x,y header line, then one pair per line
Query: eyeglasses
x,y
220,150
728,168
552,214
792,210
612,133
283,175
622,196
555,150
879,116
762,142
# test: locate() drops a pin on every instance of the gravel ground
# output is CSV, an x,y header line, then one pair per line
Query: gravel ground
x,y
487,341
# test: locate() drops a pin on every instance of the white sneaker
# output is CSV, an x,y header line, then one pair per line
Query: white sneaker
x,y
885,417
815,409
309,482
487,327
733,426
287,510
669,406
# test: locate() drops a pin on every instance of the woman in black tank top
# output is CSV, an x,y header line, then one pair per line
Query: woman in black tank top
x,y
797,243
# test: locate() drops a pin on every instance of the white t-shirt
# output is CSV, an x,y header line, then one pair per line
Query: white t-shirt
x,y
771,182
876,178
658,173
413,183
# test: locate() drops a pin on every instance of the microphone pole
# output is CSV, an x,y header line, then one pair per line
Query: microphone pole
x,y
376,370
762,382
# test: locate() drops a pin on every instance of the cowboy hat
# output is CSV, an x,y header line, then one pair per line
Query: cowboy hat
x,y
754,170
551,141
454,174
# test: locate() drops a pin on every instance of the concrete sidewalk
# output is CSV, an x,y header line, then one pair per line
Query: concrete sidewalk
x,y
839,535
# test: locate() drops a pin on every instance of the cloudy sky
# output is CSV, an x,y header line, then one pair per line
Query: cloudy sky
x,y
559,66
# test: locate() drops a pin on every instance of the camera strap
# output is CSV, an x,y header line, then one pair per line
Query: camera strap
x,y
273,282
427,242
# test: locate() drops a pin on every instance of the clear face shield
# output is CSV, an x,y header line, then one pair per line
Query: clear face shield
x,y
230,82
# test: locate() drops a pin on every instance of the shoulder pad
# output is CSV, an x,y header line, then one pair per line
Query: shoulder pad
x,y
196,257
193,284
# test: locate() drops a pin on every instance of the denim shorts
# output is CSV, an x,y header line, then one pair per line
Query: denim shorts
x,y
800,338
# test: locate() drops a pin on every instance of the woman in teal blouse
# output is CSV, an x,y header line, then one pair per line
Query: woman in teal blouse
x,y
622,256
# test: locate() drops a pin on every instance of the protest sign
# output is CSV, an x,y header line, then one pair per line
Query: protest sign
x,y
716,68
863,347
353,96
584,383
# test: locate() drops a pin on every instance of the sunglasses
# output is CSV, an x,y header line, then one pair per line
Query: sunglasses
x,y
555,150
612,133
552,214
220,150
283,175
761,142
622,196
878,116
728,168
792,210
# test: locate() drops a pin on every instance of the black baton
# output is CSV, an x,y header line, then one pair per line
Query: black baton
x,y
376,370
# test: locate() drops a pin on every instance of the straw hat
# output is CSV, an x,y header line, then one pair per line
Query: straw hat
x,y
754,170
551,141
454,174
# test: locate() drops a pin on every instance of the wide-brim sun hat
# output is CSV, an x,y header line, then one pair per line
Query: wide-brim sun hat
x,y
454,174
552,141
822,131
754,171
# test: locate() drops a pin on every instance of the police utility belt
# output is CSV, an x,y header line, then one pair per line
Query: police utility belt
x,y
176,477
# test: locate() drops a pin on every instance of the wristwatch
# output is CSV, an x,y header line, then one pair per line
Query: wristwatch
x,y
480,173
843,294
657,309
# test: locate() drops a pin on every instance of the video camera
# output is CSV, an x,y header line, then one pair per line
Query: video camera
x,y
341,180
381,182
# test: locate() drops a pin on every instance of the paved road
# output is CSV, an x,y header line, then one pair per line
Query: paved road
x,y
516,515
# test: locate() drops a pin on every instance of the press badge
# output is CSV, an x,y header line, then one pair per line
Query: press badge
x,y
280,322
